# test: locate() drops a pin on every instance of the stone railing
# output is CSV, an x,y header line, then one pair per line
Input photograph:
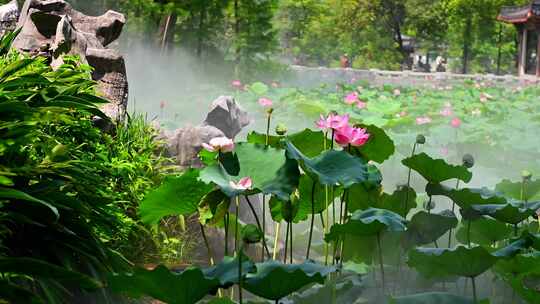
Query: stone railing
x,y
309,76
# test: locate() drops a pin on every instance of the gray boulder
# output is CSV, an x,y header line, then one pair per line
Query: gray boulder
x,y
226,118
53,28
9,14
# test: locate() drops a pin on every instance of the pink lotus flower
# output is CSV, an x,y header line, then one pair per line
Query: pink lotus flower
x,y
348,135
275,84
444,151
397,92
265,102
351,98
244,183
162,104
361,105
422,120
333,122
446,111
237,84
219,144
455,123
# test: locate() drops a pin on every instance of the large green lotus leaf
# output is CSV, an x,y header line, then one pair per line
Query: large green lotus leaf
x,y
177,195
484,231
431,298
186,287
212,207
285,181
260,163
260,139
425,228
344,289
226,272
459,261
518,265
378,148
303,202
385,107
466,197
258,88
527,286
274,280
511,189
216,174
367,223
507,213
515,247
332,167
436,170
362,196
310,143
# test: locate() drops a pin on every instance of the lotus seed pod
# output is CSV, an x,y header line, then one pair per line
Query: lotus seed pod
x,y
468,161
526,175
420,139
270,111
281,129
429,205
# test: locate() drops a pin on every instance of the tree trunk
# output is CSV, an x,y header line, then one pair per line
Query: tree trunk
x,y
237,30
200,39
466,45
166,30
499,50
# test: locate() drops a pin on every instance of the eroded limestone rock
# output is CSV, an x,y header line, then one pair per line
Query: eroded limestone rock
x,y
53,28
9,14
226,118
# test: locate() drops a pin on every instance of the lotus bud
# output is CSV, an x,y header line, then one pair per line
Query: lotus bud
x,y
420,139
468,161
526,175
281,129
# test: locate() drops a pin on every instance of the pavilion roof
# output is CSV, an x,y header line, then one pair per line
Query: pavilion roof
x,y
520,14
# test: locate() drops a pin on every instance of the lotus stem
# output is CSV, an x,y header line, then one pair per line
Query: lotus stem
x,y
236,225
475,299
291,244
453,210
240,276
263,230
276,240
210,255
226,226
312,219
381,260
408,183
469,233
265,248
326,227
286,244
515,230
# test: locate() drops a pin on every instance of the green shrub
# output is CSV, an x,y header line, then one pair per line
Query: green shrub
x,y
67,190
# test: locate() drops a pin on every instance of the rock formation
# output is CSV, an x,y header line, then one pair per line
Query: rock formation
x,y
225,118
53,28
9,14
